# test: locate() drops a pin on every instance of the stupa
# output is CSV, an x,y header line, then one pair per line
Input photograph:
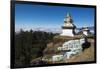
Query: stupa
x,y
68,29
85,31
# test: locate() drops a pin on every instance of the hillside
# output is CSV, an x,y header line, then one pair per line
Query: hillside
x,y
51,50
86,55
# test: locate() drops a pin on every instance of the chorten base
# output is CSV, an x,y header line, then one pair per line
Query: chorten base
x,y
67,32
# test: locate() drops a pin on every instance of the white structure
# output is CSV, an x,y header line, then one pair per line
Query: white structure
x,y
69,54
85,31
72,44
68,29
57,58
74,47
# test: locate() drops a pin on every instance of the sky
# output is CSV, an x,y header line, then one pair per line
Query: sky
x,y
50,17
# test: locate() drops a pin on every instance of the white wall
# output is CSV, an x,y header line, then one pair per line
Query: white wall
x,y
67,32
85,33
5,34
57,57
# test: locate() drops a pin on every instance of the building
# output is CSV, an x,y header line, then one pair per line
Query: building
x,y
68,29
85,31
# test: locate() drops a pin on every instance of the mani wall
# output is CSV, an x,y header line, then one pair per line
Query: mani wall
x,y
72,47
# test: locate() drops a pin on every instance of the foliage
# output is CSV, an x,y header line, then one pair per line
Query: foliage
x,y
30,45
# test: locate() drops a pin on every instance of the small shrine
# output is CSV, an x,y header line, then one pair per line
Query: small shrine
x,y
85,31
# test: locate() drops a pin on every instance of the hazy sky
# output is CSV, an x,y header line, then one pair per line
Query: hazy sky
x,y
39,16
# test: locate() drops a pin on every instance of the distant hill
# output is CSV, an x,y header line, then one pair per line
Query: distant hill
x,y
54,30
90,28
